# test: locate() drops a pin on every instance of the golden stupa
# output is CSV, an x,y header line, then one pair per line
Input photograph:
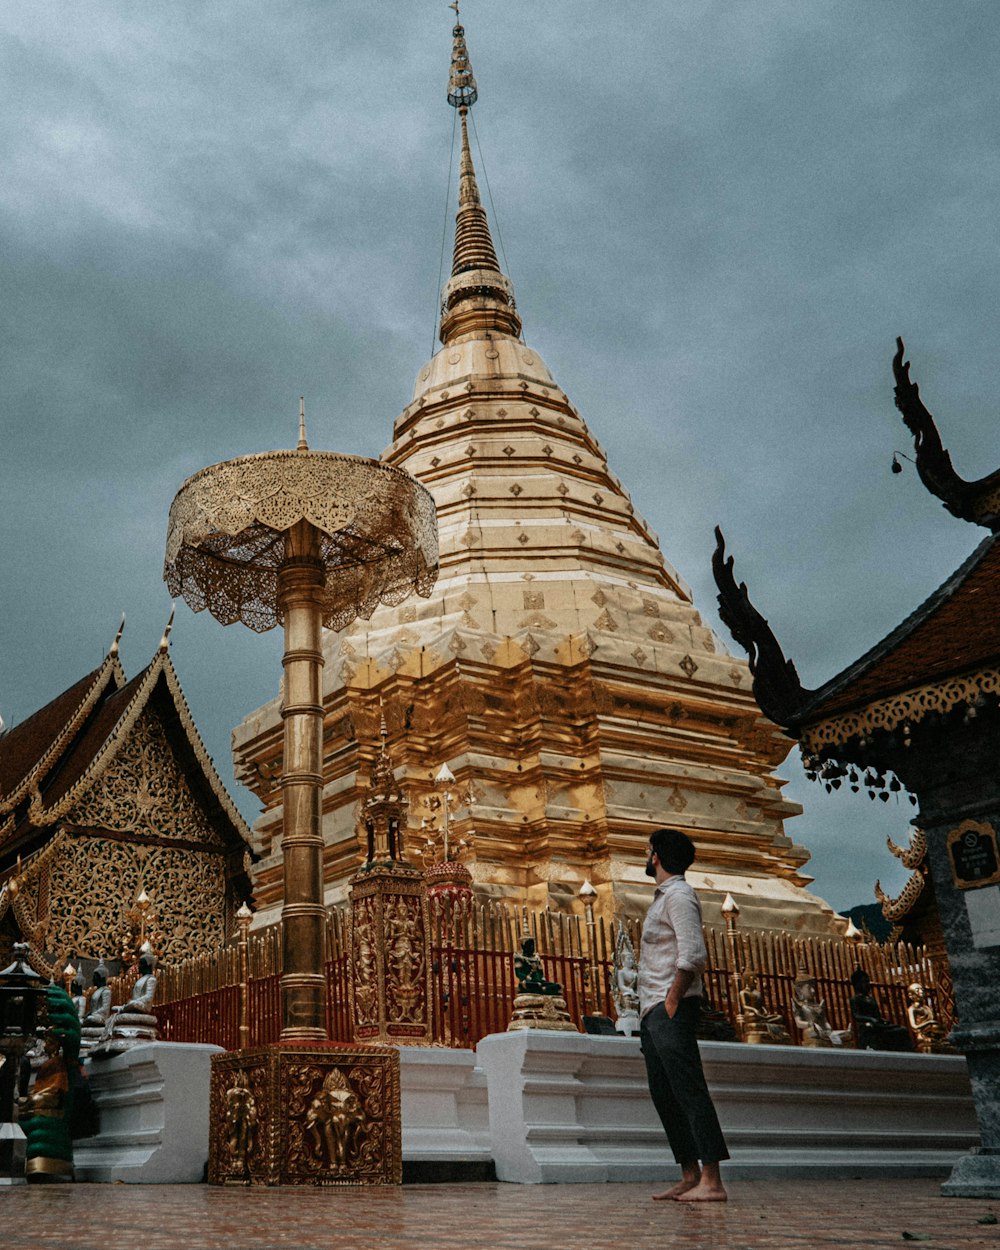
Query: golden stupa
x,y
560,668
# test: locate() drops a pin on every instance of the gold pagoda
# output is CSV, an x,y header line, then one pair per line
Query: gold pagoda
x,y
560,668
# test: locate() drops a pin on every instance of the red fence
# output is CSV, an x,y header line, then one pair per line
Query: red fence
x,y
473,985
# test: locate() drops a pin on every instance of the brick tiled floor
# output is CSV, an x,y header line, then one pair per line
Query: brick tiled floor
x,y
761,1215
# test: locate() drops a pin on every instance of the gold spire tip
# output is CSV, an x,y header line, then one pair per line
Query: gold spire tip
x,y
165,640
462,93
303,445
118,636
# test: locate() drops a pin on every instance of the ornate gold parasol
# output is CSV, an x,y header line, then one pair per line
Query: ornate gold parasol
x,y
304,539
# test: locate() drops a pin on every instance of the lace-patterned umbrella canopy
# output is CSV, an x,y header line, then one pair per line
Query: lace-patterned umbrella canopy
x,y
229,528
301,538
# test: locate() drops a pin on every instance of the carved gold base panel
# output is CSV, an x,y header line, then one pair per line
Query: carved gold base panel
x,y
541,1011
305,1114
390,956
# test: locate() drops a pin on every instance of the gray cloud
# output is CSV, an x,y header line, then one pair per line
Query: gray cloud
x,y
717,218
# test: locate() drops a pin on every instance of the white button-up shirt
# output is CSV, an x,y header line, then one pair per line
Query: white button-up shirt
x,y
672,938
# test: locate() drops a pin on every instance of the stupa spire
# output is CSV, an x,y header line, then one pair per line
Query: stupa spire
x,y
478,297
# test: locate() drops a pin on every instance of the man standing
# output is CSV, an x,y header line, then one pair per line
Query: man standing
x,y
671,962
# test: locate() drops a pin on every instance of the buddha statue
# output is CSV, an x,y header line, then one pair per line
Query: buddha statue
x,y
625,991
133,1021
874,1032
78,996
931,1036
758,1025
530,973
810,1014
99,1007
539,1003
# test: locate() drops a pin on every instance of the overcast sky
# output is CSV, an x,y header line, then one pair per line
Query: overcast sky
x,y
717,217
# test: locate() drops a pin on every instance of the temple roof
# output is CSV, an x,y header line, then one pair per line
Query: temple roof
x,y
30,750
955,630
50,761
934,657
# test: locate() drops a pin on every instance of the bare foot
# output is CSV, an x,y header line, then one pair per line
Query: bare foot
x,y
703,1192
685,1184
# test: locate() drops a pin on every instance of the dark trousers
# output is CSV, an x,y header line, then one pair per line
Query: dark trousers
x,y
677,1084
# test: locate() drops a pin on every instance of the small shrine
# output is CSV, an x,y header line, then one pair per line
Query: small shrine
x,y
108,797
920,711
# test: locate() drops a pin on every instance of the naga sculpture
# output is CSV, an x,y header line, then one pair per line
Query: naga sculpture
x,y
46,1111
978,502
776,684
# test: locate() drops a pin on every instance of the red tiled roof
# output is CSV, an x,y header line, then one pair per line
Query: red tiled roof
x,y
956,630
23,746
89,744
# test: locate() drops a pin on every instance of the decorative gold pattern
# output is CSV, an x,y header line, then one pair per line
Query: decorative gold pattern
x,y
406,969
298,1114
161,665
241,1122
103,876
909,707
145,790
389,965
377,527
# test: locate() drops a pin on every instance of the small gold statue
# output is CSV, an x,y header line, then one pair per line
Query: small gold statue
x,y
759,1026
335,1121
810,1014
241,1121
931,1037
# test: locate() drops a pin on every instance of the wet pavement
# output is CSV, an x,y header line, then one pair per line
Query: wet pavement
x,y
761,1215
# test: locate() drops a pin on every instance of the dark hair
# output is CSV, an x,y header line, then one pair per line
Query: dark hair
x,y
673,849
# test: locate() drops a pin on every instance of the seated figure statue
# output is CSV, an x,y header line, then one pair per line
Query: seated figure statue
x,y
539,1003
78,996
759,1024
529,972
932,1037
98,1009
625,992
133,1021
874,1032
810,1014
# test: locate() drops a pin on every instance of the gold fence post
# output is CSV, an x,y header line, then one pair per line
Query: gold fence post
x,y
243,918
587,894
730,913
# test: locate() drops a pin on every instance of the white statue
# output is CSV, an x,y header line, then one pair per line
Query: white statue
x,y
625,992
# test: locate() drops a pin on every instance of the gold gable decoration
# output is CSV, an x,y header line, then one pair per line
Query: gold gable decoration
x,y
145,791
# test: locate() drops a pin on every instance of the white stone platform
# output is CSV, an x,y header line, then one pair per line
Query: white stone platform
x,y
572,1107
153,1101
446,1116
568,1107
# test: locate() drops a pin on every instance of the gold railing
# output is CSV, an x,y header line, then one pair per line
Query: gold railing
x,y
473,986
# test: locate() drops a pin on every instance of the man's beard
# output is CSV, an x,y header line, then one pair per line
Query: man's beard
x,y
650,870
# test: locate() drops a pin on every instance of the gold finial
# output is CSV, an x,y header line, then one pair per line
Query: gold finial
x,y
165,640
118,637
478,295
462,93
303,445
